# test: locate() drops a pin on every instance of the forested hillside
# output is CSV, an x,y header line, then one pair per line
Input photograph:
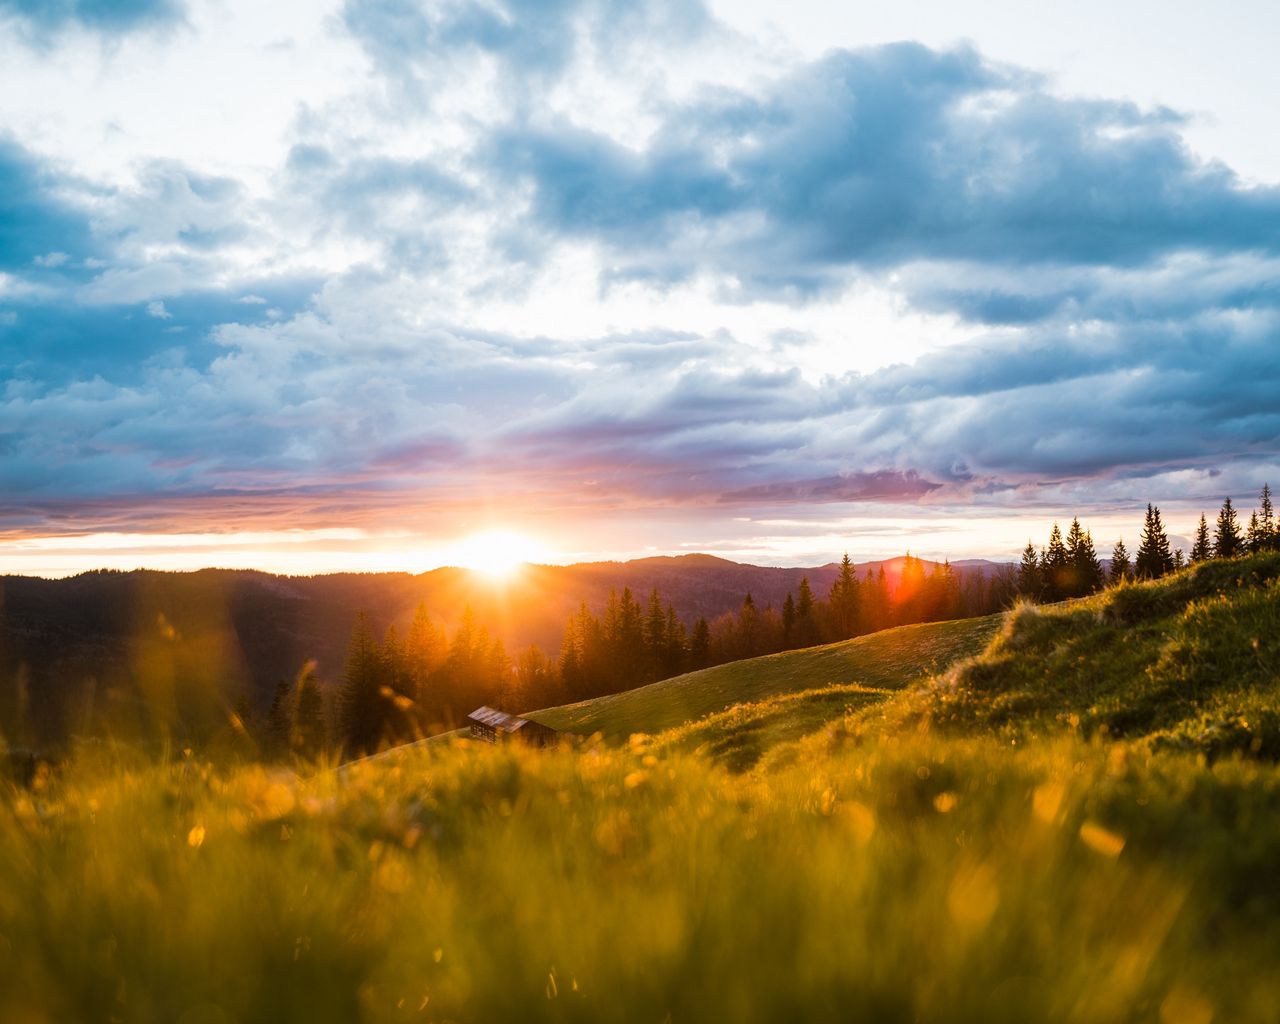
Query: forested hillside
x,y
114,649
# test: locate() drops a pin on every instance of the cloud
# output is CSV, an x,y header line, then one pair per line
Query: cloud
x,y
304,408
878,158
396,316
396,206
532,42
1182,285
880,486
111,17
39,225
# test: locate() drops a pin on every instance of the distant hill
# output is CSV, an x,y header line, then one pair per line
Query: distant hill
x,y
219,634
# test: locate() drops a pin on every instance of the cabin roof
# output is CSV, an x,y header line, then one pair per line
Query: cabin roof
x,y
496,719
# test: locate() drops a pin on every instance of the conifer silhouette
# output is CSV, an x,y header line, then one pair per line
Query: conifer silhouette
x,y
1154,559
1227,542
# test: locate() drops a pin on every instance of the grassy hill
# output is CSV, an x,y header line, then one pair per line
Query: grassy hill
x,y
886,660
1190,663
1079,822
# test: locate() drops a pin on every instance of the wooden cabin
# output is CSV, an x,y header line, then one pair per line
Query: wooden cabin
x,y
494,726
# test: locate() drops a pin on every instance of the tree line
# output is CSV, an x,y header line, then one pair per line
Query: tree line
x,y
1071,567
856,605
396,689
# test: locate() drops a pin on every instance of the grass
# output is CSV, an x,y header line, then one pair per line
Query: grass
x,y
1192,661
890,659
998,843
741,735
926,879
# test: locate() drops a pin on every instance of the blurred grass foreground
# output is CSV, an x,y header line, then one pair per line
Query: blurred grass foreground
x,y
912,858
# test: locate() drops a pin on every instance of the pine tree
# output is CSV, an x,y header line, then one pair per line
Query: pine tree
x,y
399,687
788,621
571,674
1120,567
592,652
1029,584
628,653
655,635
495,672
749,628
1055,567
1267,527
806,622
1075,583
673,662
396,680
308,715
1201,550
279,722
533,681
460,675
1226,535
15,709
943,590
881,599
1253,535
843,600
1087,568
1154,558
424,651
361,703
911,594
700,645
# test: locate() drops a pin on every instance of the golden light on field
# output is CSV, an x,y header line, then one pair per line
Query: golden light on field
x,y
498,554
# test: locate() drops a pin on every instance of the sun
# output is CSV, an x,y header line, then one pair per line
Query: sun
x,y
497,554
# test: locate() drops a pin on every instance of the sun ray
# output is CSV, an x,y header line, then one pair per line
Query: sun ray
x,y
497,554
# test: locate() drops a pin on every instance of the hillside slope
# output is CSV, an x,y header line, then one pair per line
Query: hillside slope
x,y
1190,662
889,659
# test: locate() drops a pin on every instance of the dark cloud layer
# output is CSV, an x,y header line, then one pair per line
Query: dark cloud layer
x,y
35,220
881,486
878,158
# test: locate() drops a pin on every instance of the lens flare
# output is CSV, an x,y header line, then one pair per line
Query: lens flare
x,y
498,554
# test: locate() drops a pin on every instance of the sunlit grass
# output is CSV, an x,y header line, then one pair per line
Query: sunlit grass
x,y
976,847
890,659
920,879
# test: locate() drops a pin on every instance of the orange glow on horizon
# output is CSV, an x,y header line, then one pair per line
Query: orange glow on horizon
x,y
287,545
497,554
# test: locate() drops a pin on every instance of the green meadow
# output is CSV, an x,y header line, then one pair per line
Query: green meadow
x,y
1071,813
889,659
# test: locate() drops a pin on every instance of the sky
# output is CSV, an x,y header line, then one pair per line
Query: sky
x,y
325,285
